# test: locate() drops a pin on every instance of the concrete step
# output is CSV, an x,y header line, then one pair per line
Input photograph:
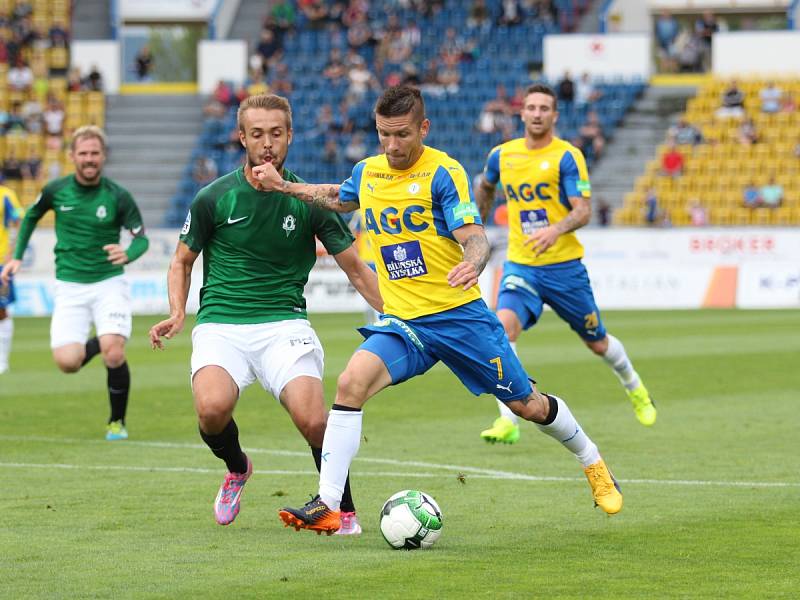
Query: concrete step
x,y
116,127
163,187
153,141
137,170
146,114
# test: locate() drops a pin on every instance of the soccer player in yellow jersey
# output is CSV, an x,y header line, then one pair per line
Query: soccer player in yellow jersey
x,y
10,215
546,184
429,248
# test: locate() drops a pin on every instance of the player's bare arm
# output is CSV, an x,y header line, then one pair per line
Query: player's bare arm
x,y
484,197
580,214
361,276
323,195
10,268
472,238
179,278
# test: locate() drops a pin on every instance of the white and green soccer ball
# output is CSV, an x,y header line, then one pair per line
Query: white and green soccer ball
x,y
411,520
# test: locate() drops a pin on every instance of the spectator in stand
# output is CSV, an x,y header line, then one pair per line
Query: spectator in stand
x,y
591,133
356,148
496,115
315,11
770,98
479,17
269,48
74,80
359,34
15,120
356,10
732,102
330,151
94,80
281,17
666,32
517,101
788,105
672,162
771,194
53,117
512,12
449,75
585,91
281,83
651,211
705,27
256,84
751,196
222,94
144,63
58,35
20,76
32,113
566,89
361,80
747,134
341,120
204,171
689,52
412,34
334,69
684,133
12,167
698,216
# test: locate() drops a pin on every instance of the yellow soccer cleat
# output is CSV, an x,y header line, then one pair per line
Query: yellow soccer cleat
x,y
605,488
503,430
642,405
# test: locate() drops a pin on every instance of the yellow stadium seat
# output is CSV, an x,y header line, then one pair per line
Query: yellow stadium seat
x,y
781,215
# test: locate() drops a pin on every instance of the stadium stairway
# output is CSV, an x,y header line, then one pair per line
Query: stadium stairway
x,y
151,142
247,23
633,144
91,20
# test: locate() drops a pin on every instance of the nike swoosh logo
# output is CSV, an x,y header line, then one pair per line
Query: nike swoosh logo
x,y
65,208
232,221
136,230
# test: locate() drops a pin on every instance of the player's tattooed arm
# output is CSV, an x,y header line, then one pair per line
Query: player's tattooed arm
x,y
579,216
484,197
476,254
325,195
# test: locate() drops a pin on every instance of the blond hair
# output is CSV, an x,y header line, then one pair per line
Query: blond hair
x,y
88,132
267,102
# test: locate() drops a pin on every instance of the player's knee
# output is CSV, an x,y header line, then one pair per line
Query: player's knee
x,y
349,387
213,417
533,408
114,356
599,347
68,365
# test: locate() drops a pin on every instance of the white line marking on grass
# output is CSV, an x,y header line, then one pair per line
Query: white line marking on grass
x,y
476,472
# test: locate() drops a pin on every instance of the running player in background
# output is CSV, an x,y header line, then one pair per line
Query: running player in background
x,y
258,249
547,189
429,248
90,210
10,215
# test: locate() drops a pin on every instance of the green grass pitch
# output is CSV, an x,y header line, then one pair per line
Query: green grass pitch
x,y
712,491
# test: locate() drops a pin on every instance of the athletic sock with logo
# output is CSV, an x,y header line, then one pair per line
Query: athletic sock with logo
x,y
6,333
617,359
225,445
504,410
347,504
562,426
342,439
119,384
91,350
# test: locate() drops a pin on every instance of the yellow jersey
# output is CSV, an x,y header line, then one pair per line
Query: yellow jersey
x,y
10,212
409,217
538,185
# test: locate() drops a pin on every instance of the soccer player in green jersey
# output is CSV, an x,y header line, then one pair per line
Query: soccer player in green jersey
x,y
90,210
258,248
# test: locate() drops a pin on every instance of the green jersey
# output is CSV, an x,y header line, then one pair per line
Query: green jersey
x,y
258,248
87,218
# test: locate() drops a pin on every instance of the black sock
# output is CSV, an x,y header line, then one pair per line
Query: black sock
x,y
225,445
92,349
552,410
119,383
347,498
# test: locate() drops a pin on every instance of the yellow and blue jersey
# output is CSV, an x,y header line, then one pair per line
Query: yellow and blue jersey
x,y
10,212
409,217
538,185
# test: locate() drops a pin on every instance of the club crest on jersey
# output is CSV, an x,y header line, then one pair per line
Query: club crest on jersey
x,y
404,260
101,212
187,223
413,188
289,224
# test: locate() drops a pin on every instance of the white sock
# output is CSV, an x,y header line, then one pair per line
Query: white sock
x,y
6,333
340,446
566,430
618,360
504,410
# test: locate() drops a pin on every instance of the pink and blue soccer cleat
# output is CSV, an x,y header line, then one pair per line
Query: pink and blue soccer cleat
x,y
226,506
350,524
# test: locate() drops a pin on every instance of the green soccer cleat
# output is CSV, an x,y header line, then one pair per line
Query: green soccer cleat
x,y
503,430
642,405
116,431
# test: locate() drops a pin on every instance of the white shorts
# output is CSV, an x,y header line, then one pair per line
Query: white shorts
x,y
274,353
77,305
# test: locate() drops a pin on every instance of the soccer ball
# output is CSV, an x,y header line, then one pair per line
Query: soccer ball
x,y
411,520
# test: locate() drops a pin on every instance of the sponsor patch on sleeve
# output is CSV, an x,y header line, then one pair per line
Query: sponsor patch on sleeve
x,y
463,211
584,186
187,223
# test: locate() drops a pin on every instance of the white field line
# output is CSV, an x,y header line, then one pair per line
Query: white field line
x,y
476,472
